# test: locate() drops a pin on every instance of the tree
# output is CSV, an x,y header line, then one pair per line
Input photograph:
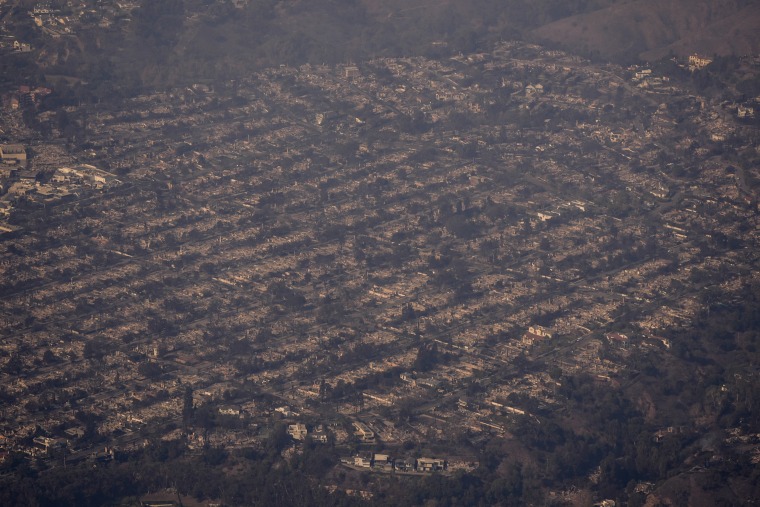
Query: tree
x,y
150,370
49,357
427,356
14,365
188,408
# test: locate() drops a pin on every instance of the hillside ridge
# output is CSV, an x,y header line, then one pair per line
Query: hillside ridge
x,y
650,30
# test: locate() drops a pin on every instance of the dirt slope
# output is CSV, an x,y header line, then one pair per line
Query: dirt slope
x,y
650,29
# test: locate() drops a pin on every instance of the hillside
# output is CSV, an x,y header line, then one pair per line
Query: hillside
x,y
649,29
742,28
168,43
179,41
